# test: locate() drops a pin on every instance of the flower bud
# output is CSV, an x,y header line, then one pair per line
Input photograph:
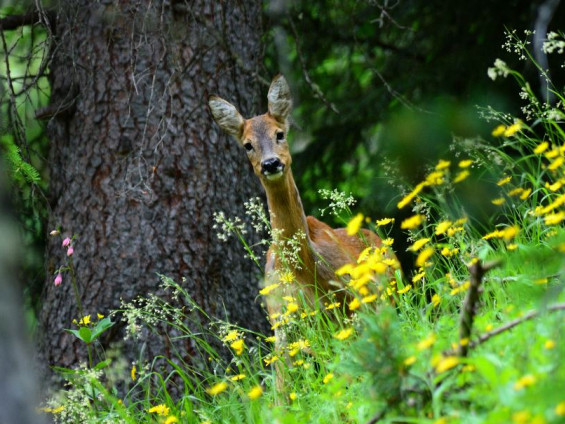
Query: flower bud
x,y
58,279
54,233
70,251
66,242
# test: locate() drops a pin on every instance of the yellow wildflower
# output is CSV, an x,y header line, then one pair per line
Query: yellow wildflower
x,y
498,131
412,222
465,163
442,164
504,181
270,339
424,256
270,360
461,288
510,232
388,241
367,299
525,381
418,244
289,298
436,299
556,163
343,334
446,363
85,320
384,221
291,307
427,342
521,417
217,388
410,360
238,377
418,276
549,344
516,191
498,201
160,409
513,129
238,346
345,269
560,409
133,372
231,336
255,392
555,186
405,289
542,147
354,224
434,178
287,277
171,419
554,218
327,378
354,304
461,175
408,198
293,396
99,316
553,153
441,420
268,289
333,305
442,227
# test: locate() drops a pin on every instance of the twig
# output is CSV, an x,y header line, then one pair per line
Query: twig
x,y
511,324
477,271
508,326
317,91
15,21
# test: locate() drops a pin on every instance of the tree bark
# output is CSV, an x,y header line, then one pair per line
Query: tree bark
x,y
138,168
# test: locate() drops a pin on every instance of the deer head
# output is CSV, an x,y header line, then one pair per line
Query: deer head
x,y
264,136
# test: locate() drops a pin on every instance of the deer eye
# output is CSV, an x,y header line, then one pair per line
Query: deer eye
x,y
280,136
248,146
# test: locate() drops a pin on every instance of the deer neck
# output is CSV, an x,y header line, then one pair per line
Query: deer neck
x,y
287,214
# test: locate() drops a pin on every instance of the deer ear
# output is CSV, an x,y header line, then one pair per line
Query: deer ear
x,y
226,116
280,102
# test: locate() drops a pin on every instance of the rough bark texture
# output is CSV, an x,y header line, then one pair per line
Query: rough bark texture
x,y
137,166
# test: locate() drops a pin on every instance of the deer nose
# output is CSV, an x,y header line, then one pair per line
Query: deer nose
x,y
271,166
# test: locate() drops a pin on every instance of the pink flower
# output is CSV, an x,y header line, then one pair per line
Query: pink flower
x,y
66,242
70,251
58,279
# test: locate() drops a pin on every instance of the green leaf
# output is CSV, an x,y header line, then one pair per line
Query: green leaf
x,y
100,327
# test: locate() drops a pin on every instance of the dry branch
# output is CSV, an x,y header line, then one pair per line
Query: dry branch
x,y
477,271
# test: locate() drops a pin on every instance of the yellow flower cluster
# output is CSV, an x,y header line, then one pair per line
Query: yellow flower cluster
x,y
437,177
373,264
235,338
508,131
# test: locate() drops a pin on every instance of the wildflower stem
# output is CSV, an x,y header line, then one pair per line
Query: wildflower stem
x,y
75,286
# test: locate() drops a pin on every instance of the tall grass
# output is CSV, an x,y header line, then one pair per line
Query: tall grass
x,y
395,350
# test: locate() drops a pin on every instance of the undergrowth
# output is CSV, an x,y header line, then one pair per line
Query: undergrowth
x,y
474,334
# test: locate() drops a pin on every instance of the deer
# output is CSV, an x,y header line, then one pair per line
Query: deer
x,y
321,249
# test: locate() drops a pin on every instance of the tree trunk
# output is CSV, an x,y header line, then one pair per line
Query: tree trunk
x,y
138,168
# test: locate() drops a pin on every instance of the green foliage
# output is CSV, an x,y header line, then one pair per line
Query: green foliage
x,y
395,349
